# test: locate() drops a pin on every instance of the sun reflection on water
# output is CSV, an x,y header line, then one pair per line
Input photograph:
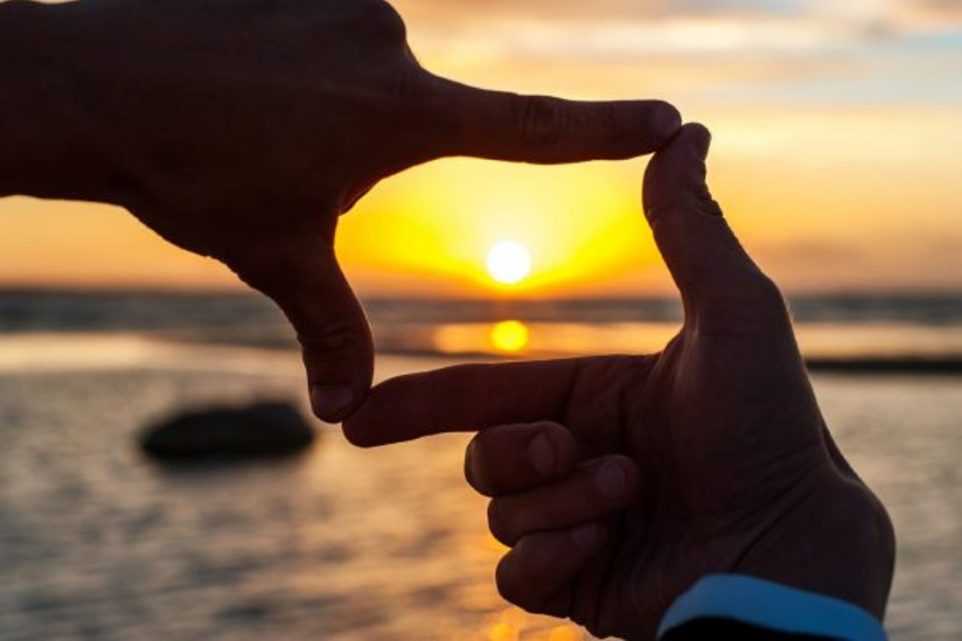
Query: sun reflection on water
x,y
550,340
513,624
509,336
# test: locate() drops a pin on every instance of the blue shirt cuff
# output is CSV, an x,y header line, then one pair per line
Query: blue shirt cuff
x,y
773,606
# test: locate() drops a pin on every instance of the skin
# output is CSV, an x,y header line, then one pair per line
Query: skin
x,y
619,481
242,130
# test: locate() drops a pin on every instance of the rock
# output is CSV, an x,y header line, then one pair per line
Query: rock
x,y
260,430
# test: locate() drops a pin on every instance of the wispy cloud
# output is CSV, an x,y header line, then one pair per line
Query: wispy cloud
x,y
809,51
608,29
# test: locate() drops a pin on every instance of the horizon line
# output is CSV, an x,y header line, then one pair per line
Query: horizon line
x,y
128,290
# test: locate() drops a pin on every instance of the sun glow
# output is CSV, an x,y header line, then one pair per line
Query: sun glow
x,y
509,263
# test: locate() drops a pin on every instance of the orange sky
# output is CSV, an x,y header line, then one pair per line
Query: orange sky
x,y
837,134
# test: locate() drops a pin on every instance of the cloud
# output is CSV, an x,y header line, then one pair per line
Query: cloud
x,y
939,8
805,51
618,28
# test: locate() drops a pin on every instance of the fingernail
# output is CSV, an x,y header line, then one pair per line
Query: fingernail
x,y
542,456
588,538
702,140
665,120
611,480
331,402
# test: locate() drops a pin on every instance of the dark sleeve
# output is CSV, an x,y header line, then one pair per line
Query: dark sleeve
x,y
716,629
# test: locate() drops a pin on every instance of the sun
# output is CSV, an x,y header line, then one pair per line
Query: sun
x,y
509,262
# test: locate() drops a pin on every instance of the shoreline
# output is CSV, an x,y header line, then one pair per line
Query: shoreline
x,y
29,351
938,366
935,366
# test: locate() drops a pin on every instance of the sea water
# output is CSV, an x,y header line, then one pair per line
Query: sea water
x,y
96,542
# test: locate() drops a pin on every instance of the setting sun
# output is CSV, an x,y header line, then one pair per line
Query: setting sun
x,y
509,263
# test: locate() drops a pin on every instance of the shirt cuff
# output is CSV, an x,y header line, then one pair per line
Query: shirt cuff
x,y
772,606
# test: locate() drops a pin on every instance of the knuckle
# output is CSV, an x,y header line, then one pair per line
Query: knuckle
x,y
747,306
536,556
474,469
493,444
469,460
382,21
521,573
667,220
499,524
506,581
616,132
539,120
423,117
757,291
414,90
331,341
554,431
610,116
766,291
333,337
708,206
515,580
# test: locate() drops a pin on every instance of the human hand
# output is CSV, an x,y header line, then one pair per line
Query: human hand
x,y
709,457
242,130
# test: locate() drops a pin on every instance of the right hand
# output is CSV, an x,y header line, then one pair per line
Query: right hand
x,y
620,481
243,129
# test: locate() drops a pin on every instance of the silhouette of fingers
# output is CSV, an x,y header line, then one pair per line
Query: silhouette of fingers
x,y
508,459
599,488
538,573
541,129
463,398
718,280
307,283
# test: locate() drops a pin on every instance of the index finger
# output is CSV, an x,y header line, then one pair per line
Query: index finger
x,y
463,398
542,129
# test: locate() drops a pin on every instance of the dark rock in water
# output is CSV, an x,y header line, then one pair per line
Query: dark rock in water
x,y
261,430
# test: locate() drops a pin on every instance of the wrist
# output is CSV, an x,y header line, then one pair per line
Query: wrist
x,y
838,543
49,145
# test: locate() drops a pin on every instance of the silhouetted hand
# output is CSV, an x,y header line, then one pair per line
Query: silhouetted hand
x,y
243,129
711,456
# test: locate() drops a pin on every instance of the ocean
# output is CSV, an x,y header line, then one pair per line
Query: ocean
x,y
97,542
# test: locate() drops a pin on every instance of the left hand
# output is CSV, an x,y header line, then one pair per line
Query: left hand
x,y
242,130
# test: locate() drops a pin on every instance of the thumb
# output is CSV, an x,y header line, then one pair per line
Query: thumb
x,y
308,285
707,262
541,129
